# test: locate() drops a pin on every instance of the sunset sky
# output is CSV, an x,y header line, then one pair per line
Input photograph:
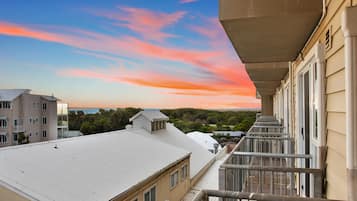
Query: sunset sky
x,y
140,53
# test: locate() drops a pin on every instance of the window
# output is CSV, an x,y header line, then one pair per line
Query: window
x,y
3,139
15,122
174,179
5,105
15,137
44,106
150,195
184,172
3,123
44,120
44,133
315,102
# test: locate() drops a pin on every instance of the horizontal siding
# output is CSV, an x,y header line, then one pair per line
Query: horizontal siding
x,y
336,122
336,142
335,62
336,176
335,82
338,42
336,102
335,97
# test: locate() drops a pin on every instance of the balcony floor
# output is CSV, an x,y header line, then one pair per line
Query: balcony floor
x,y
208,181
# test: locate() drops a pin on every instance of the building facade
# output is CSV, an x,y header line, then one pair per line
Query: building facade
x,y
302,58
26,118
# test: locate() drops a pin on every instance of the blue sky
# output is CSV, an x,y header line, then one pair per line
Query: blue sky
x,y
162,54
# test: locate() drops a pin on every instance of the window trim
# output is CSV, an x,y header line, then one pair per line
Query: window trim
x,y
149,190
4,125
186,176
178,178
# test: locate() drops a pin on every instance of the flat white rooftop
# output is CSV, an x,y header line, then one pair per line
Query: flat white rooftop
x,y
88,168
200,156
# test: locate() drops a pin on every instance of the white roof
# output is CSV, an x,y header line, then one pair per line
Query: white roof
x,y
231,133
88,168
49,98
11,94
151,115
200,157
204,139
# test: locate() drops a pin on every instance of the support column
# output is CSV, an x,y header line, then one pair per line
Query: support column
x,y
349,27
267,105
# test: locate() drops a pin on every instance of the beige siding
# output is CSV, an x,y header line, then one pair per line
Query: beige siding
x,y
336,187
335,102
162,183
335,82
355,2
335,97
6,194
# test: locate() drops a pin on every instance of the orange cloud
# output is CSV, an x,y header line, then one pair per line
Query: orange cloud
x,y
229,74
149,24
157,80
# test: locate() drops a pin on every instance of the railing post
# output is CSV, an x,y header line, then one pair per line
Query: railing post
x,y
222,179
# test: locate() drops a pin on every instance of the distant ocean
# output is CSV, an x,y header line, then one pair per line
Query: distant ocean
x,y
95,110
87,110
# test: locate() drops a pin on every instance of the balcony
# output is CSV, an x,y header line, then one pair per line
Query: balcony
x,y
264,166
62,124
18,129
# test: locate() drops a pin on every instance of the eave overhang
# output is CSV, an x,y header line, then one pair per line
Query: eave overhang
x,y
269,30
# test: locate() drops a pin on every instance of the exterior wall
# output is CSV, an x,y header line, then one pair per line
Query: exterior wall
x,y
335,98
6,194
142,122
162,183
51,116
27,110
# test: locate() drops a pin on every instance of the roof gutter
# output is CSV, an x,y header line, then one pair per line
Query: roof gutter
x,y
149,179
324,11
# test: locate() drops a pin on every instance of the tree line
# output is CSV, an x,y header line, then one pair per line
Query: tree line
x,y
186,119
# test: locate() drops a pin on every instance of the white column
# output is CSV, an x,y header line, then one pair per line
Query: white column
x,y
349,27
321,114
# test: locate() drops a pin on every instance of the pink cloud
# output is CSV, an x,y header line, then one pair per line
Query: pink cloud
x,y
148,24
229,73
181,86
187,1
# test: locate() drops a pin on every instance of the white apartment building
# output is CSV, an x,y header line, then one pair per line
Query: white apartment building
x,y
26,118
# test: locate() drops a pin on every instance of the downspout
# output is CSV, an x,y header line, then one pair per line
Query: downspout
x,y
349,27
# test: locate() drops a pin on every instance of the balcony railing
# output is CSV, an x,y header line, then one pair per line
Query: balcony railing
x,y
206,195
265,163
18,128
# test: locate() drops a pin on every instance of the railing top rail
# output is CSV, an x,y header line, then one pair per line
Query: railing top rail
x,y
272,155
272,169
204,194
266,133
268,137
267,123
267,126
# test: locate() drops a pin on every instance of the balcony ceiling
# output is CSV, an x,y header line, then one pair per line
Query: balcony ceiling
x,y
269,30
267,76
